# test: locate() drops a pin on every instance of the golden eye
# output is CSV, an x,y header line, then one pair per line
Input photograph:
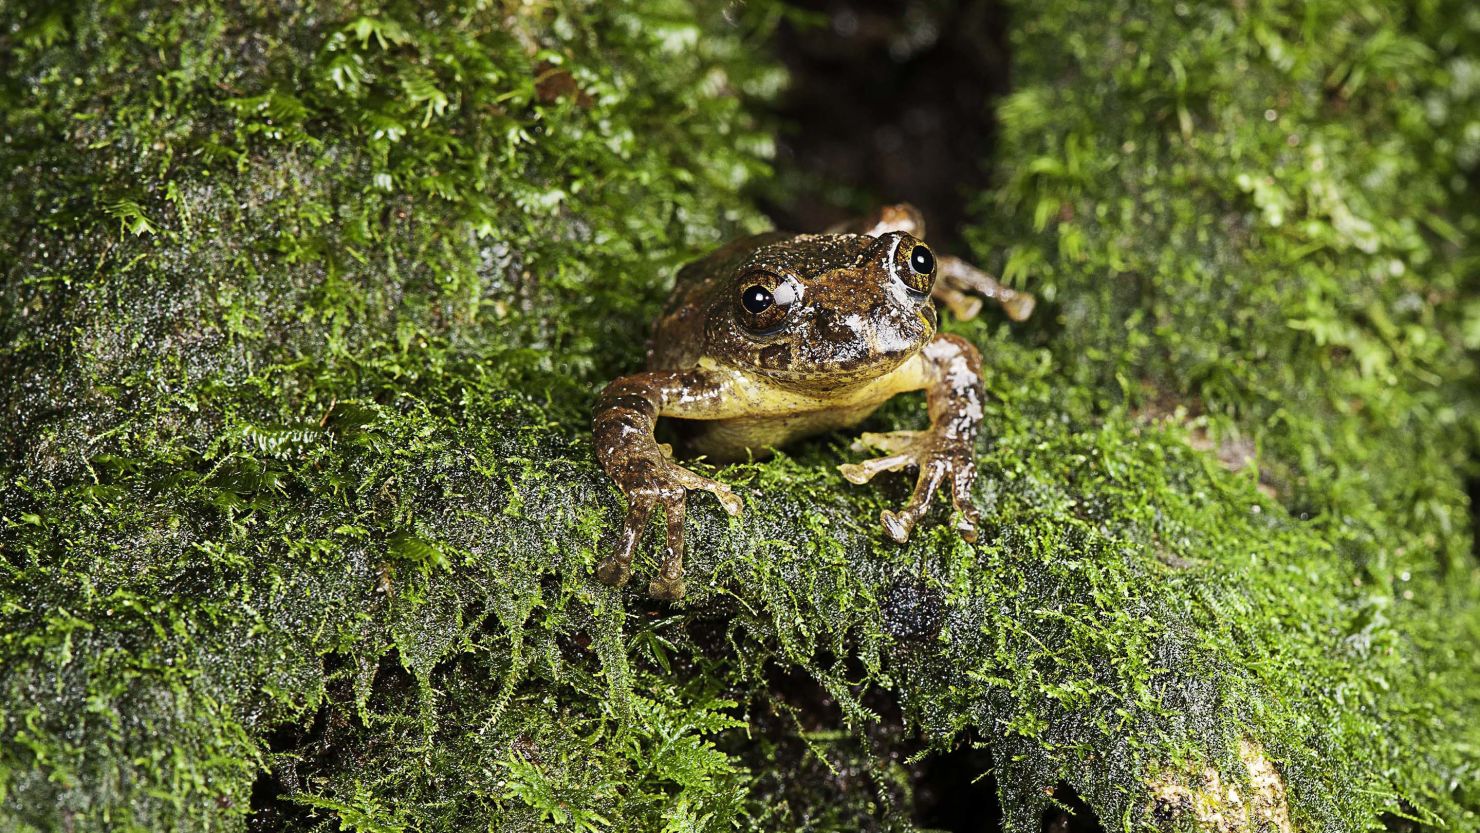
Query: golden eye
x,y
919,274
764,301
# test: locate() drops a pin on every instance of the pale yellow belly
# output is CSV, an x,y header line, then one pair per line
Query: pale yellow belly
x,y
733,440
757,415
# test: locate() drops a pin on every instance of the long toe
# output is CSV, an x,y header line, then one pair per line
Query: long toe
x,y
967,528
898,525
732,503
855,474
860,473
1020,306
892,442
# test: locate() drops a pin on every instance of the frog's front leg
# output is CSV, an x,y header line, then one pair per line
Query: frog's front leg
x,y
950,372
643,470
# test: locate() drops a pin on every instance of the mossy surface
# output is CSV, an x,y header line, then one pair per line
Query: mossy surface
x,y
305,309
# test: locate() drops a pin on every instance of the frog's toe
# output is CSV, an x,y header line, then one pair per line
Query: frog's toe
x,y
963,474
617,567
1019,306
966,526
856,473
669,589
728,499
613,571
897,525
963,307
893,442
900,524
861,473
724,494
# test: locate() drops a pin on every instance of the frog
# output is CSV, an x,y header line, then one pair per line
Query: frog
x,y
779,336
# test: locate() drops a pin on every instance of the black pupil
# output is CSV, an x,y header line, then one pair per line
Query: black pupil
x,y
757,300
922,261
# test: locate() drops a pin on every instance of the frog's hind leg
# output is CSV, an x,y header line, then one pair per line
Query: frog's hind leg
x,y
956,282
884,219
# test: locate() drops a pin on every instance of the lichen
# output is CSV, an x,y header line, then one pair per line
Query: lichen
x,y
1220,807
305,307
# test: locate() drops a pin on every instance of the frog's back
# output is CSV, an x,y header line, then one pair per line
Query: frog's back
x,y
677,340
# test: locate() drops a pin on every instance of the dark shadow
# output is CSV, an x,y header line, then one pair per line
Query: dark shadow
x,y
956,791
1070,813
271,811
888,101
829,781
319,744
1472,488
1394,823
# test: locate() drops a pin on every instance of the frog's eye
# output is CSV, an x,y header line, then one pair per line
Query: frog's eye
x,y
757,299
764,301
921,260
919,271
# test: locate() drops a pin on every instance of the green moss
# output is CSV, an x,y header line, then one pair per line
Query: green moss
x,y
305,316
1258,218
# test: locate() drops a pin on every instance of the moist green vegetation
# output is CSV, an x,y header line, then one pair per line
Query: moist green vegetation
x,y
305,309
1257,219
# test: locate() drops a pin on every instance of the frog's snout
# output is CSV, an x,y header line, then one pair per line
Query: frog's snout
x,y
837,327
882,332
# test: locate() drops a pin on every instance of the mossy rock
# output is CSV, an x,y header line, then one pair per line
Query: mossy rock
x,y
305,309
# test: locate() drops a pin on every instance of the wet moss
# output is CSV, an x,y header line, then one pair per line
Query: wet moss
x,y
1256,222
306,307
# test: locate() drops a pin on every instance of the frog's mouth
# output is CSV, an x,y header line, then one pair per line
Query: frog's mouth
x,y
834,381
824,363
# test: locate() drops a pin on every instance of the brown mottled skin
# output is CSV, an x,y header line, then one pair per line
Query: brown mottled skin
x,y
781,336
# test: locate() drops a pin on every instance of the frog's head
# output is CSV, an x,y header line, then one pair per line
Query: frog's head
x,y
826,311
